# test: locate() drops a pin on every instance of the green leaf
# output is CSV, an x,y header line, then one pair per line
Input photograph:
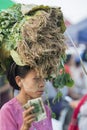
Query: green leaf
x,y
70,83
16,58
57,97
53,115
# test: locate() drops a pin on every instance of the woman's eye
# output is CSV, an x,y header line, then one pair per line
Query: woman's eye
x,y
38,79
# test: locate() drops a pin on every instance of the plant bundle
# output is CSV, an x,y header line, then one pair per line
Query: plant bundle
x,y
32,35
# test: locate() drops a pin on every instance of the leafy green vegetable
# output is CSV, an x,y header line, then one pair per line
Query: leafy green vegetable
x,y
61,79
22,26
16,57
57,97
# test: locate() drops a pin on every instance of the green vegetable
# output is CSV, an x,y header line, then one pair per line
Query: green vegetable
x,y
16,57
32,35
60,80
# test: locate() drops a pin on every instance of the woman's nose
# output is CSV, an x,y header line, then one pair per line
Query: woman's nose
x,y
41,83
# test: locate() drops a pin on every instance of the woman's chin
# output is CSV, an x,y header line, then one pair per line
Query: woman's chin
x,y
39,93
36,94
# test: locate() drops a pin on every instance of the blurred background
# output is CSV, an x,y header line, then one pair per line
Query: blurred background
x,y
75,17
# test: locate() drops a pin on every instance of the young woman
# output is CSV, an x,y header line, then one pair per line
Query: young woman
x,y
31,86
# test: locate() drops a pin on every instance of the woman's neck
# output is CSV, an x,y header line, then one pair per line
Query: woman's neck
x,y
22,98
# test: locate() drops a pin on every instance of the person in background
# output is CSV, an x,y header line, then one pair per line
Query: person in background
x,y
6,92
69,64
76,122
84,59
84,54
49,94
82,117
79,78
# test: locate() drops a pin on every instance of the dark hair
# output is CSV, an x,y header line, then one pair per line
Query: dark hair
x,y
84,55
15,70
68,58
77,63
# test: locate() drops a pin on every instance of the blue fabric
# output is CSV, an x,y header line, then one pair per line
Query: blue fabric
x,y
82,36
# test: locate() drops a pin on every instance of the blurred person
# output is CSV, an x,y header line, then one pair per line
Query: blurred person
x,y
82,118
5,91
84,58
79,78
75,123
50,94
84,54
80,89
69,64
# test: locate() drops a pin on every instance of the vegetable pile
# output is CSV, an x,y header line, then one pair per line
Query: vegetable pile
x,y
32,35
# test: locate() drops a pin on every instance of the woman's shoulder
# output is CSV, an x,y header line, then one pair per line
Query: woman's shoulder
x,y
10,115
11,110
11,105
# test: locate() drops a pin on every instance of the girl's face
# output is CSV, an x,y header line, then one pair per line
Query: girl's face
x,y
32,85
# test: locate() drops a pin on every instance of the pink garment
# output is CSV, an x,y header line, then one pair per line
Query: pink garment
x,y
11,117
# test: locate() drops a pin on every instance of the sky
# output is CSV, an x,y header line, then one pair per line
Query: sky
x,y
73,10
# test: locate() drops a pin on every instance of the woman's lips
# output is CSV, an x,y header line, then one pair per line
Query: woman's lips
x,y
40,92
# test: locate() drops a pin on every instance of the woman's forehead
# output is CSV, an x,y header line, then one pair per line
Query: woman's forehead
x,y
33,74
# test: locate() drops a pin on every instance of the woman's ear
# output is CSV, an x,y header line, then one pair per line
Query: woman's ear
x,y
18,81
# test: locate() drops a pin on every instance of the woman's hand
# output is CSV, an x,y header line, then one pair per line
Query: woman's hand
x,y
28,118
